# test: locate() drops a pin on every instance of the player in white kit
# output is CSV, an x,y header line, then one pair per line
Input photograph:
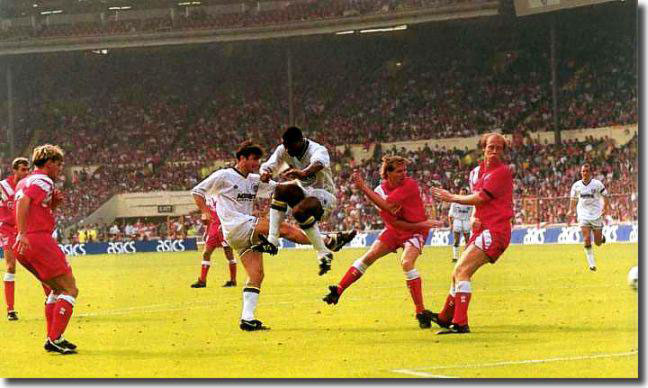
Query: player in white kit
x,y
459,220
590,198
310,194
235,190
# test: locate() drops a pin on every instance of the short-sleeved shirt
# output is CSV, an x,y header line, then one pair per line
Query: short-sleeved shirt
x,y
7,203
590,199
460,212
39,187
408,196
495,185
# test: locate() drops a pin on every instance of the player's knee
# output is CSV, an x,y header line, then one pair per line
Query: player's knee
x,y
289,194
72,291
598,242
308,212
11,267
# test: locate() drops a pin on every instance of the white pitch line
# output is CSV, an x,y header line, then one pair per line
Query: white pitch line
x,y
422,374
522,362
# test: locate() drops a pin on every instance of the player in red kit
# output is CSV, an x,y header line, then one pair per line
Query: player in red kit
x,y
214,239
406,226
492,186
36,249
20,167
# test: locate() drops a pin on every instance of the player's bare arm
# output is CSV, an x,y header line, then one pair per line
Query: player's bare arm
x,y
295,173
474,199
416,226
22,208
359,182
202,205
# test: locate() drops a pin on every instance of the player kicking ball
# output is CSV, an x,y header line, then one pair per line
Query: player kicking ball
x,y
590,198
310,194
235,190
398,199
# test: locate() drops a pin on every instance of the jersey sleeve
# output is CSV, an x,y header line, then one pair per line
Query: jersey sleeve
x,y
321,155
272,164
574,193
602,189
38,190
215,181
264,190
496,184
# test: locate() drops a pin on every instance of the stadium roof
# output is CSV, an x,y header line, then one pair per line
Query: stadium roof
x,y
20,8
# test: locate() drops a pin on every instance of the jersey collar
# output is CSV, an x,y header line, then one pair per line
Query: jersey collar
x,y
303,152
239,172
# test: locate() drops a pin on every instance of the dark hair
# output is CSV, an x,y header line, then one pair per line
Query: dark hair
x,y
18,161
292,135
248,148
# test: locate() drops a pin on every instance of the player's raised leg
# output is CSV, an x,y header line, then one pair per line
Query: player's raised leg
x,y
377,250
307,213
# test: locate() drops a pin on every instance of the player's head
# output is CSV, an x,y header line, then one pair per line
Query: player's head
x,y
494,145
49,158
248,156
20,167
586,171
293,141
394,169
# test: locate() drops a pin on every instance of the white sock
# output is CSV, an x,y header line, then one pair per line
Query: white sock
x,y
206,263
9,277
463,286
454,251
250,300
590,257
276,218
315,238
412,274
360,265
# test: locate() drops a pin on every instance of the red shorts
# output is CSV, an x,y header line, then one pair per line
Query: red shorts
x,y
396,240
7,236
44,257
214,236
493,244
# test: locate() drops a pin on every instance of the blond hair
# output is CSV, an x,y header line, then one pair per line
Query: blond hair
x,y
389,164
46,152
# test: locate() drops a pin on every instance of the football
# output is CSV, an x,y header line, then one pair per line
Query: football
x,y
633,277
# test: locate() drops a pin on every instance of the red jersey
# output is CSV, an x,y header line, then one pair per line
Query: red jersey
x,y
7,203
39,187
408,196
495,185
211,204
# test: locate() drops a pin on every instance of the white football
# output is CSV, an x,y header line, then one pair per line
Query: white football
x,y
633,277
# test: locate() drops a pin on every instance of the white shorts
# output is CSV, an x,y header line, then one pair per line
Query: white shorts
x,y
328,200
461,226
241,237
593,224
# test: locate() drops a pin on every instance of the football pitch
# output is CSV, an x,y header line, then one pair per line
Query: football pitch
x,y
538,313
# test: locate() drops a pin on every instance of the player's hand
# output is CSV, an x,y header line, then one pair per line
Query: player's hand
x,y
432,224
293,173
358,180
476,224
21,245
57,198
265,177
442,195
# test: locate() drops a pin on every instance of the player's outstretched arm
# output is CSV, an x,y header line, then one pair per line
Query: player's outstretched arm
x,y
416,226
373,196
474,199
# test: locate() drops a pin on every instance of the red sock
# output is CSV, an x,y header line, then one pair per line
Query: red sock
x,y
349,278
446,314
462,300
232,269
204,268
49,314
9,294
416,290
62,313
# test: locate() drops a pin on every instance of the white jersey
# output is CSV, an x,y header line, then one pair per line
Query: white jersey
x,y
460,212
235,194
313,153
472,178
590,199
